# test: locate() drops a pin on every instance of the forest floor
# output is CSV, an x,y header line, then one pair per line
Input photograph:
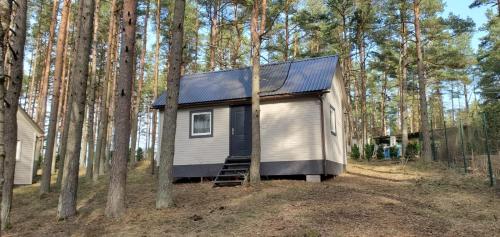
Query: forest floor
x,y
375,198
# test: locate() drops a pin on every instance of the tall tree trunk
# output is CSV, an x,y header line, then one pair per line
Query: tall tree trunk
x,y
85,134
196,43
214,16
105,82
287,31
42,98
38,39
139,129
51,135
347,62
498,7
296,46
257,29
89,173
382,105
372,124
220,53
62,101
5,17
99,100
65,125
164,197
402,79
148,127
105,163
362,75
424,120
237,42
105,160
348,75
80,71
17,40
466,99
34,62
357,113
115,206
155,86
138,95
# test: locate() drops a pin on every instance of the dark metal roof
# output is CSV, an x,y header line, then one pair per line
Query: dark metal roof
x,y
293,77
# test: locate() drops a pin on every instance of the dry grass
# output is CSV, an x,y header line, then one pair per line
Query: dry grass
x,y
372,199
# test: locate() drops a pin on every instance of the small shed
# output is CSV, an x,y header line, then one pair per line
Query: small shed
x,y
29,136
302,119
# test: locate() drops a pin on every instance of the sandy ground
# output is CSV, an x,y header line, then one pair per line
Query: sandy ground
x,y
372,199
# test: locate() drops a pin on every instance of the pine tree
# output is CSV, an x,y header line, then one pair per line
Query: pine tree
x,y
115,206
35,61
17,39
402,76
155,86
422,85
164,197
5,16
79,73
105,96
138,94
257,30
89,173
361,19
42,97
51,135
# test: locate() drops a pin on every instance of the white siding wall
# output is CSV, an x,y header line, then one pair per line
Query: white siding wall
x,y
205,150
335,144
27,135
291,130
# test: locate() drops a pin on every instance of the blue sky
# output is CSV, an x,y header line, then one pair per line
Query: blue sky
x,y
478,15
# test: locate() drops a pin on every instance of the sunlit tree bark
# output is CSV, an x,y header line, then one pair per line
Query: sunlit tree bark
x,y
17,39
115,206
51,135
257,29
105,94
164,197
79,74
422,85
42,97
138,94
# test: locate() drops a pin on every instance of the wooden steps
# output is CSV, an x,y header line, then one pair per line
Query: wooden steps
x,y
233,172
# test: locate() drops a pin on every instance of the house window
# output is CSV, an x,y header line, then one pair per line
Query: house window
x,y
333,123
201,123
18,150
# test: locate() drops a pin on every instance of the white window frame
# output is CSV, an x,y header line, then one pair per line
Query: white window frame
x,y
18,150
205,134
333,121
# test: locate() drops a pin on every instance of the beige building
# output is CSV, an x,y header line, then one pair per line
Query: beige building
x,y
303,106
28,138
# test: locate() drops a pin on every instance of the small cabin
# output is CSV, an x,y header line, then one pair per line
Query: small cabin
x,y
29,136
302,119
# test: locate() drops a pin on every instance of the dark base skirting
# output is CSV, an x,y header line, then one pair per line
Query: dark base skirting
x,y
204,170
334,168
304,167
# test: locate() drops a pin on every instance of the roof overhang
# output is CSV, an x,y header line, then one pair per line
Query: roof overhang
x,y
248,100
